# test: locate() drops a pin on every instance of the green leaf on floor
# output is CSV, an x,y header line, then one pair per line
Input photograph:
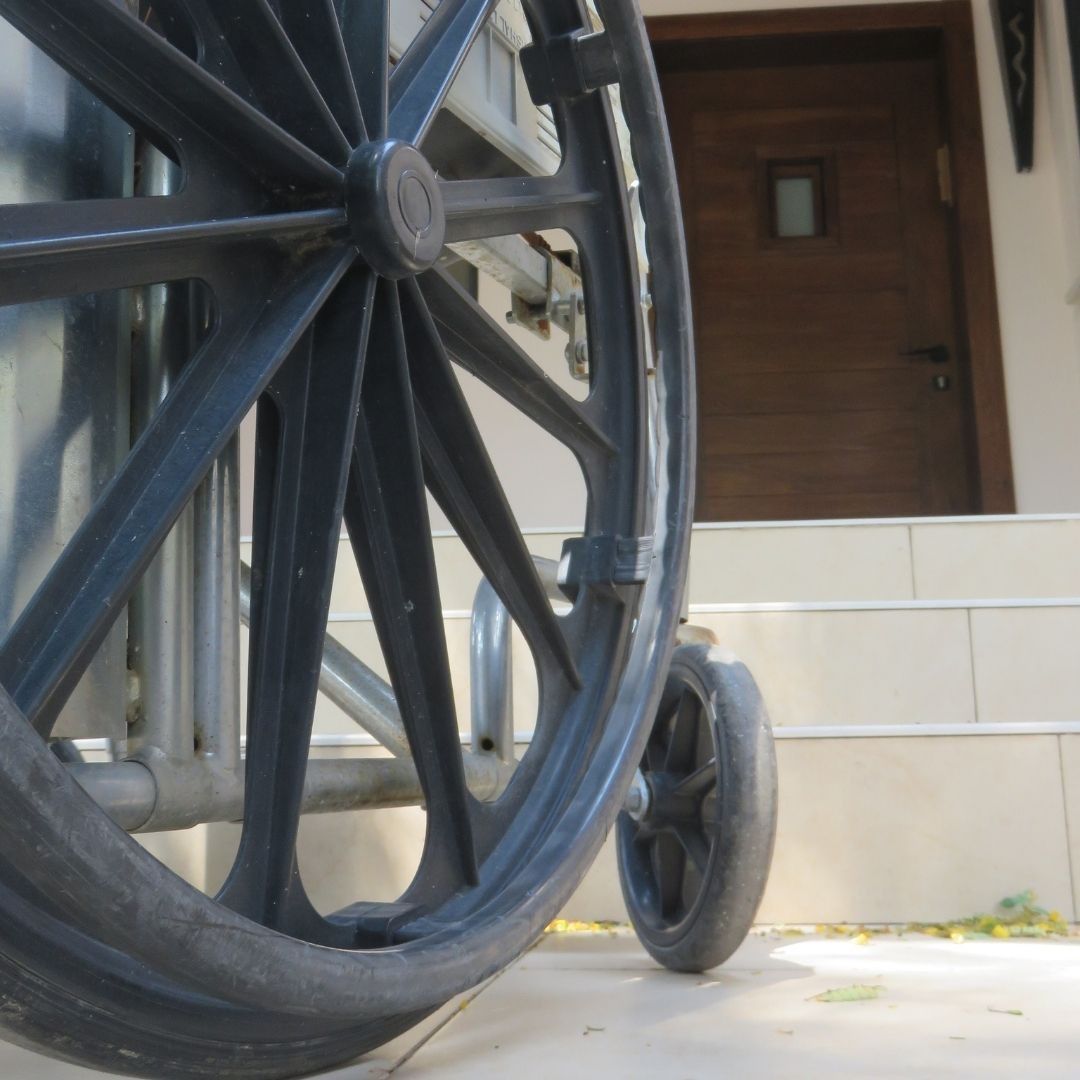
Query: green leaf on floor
x,y
1004,1012
857,992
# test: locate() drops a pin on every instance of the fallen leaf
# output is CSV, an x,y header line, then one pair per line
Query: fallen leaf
x,y
576,926
785,1031
589,1029
857,992
1024,899
1004,1012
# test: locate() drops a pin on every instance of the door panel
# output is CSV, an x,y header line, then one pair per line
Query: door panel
x,y
809,408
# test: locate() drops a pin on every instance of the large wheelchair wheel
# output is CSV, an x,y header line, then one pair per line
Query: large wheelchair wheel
x,y
313,219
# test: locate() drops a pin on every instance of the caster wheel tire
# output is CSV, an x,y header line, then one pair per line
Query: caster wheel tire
x,y
694,861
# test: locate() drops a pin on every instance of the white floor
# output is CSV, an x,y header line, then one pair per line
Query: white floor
x,y
594,1005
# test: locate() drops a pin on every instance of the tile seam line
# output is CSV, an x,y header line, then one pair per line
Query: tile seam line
x,y
823,523
971,664
773,607
911,560
1068,831
464,1004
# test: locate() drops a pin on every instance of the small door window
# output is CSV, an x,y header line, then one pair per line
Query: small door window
x,y
796,199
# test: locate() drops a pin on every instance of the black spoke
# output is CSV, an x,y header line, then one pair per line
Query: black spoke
x,y
695,846
422,79
699,783
277,75
313,28
65,621
179,18
477,209
668,867
462,478
386,514
58,249
304,442
163,93
365,26
484,349
656,750
684,734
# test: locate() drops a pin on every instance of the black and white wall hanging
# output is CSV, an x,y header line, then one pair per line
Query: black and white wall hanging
x,y
1014,27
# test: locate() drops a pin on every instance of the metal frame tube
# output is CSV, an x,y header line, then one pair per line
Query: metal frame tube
x,y
142,797
216,659
161,611
491,665
351,685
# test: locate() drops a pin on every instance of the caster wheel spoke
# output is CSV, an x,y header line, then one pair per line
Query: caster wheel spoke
x,y
684,735
669,869
700,782
695,846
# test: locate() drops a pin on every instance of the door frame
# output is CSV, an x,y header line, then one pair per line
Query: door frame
x,y
978,326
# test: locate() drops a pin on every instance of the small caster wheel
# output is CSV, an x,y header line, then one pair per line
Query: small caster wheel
x,y
695,844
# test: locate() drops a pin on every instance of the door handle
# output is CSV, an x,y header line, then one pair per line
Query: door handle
x,y
934,354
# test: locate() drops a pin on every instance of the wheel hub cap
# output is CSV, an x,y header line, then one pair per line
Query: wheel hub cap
x,y
395,208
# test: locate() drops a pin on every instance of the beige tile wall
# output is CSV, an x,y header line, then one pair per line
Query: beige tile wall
x,y
855,667
792,564
996,559
870,829
896,830
1070,777
1027,664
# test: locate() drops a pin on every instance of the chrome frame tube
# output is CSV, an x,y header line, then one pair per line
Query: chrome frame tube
x,y
351,685
491,665
216,657
161,612
140,796
64,362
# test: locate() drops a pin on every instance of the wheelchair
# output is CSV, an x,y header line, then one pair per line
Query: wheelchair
x,y
270,216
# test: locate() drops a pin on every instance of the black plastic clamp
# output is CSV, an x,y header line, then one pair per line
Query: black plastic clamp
x,y
569,66
603,562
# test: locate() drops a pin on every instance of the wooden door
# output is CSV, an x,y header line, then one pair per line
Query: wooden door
x,y
816,209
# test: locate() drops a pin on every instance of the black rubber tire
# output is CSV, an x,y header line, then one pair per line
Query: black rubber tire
x,y
107,959
718,918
